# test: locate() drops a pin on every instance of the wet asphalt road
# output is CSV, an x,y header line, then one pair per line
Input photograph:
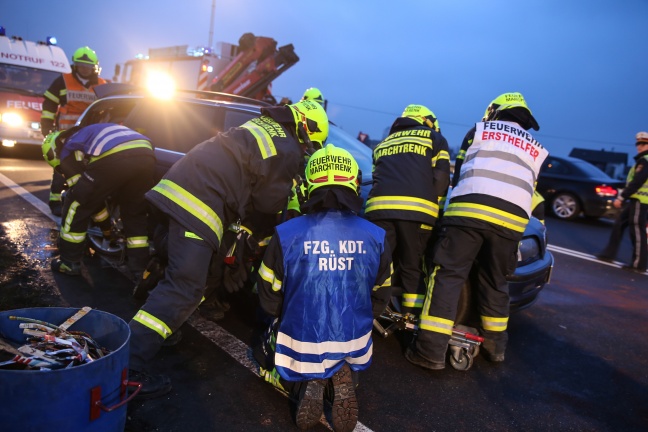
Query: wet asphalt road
x,y
577,359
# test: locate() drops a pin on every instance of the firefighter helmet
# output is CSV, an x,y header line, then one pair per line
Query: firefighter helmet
x,y
332,166
313,94
513,104
85,56
49,149
642,138
312,122
422,115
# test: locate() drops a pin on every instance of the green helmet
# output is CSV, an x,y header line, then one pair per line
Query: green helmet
x,y
312,122
422,115
332,166
49,149
85,55
518,109
313,94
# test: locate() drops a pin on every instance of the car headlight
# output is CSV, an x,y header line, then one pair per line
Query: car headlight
x,y
528,251
11,119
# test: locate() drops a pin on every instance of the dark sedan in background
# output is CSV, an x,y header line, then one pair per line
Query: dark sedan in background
x,y
572,187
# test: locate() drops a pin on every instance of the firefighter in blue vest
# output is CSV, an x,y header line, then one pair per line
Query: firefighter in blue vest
x,y
100,161
324,277
634,215
411,174
247,168
489,209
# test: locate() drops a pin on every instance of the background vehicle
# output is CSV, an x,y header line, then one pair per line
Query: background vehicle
x,y
572,186
26,71
178,124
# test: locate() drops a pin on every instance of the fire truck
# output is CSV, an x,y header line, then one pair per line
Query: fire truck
x,y
246,69
26,71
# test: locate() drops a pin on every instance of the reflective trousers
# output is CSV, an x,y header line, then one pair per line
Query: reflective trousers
x,y
408,241
175,297
455,252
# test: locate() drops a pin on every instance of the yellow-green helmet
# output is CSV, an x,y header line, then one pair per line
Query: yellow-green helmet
x,y
332,166
85,55
313,94
49,149
310,118
518,106
422,115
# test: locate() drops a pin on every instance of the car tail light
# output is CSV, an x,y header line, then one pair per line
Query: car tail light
x,y
605,191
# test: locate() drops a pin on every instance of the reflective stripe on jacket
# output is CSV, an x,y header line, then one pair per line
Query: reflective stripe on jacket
x,y
642,193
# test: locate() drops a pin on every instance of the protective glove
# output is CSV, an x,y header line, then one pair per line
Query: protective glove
x,y
237,269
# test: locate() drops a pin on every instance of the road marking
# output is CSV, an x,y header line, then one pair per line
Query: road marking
x,y
223,339
31,199
585,256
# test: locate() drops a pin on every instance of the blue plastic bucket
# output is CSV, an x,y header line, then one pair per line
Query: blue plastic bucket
x,y
81,398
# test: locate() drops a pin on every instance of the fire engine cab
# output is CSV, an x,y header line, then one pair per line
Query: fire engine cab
x,y
26,71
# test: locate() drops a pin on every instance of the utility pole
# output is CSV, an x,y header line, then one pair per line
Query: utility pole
x,y
211,24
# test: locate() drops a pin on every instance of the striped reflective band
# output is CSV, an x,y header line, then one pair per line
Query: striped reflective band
x,y
149,321
402,203
427,142
494,323
126,146
73,180
388,281
442,155
267,274
191,204
55,196
318,368
137,242
264,141
52,97
436,324
189,234
489,214
47,115
101,216
413,300
65,227
320,348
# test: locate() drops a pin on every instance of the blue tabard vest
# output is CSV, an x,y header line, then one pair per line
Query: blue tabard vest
x,y
97,139
331,261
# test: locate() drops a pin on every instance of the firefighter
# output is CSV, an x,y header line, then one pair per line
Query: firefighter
x,y
100,161
330,256
411,174
65,99
215,184
489,208
634,199
314,94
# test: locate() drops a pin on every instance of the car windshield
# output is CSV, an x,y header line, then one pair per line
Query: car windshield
x,y
27,80
358,150
589,169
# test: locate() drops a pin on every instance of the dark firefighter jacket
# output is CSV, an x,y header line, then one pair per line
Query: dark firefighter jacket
x,y
245,169
67,96
411,174
498,174
637,181
94,142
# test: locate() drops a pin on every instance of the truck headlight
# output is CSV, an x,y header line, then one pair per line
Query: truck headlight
x,y
11,119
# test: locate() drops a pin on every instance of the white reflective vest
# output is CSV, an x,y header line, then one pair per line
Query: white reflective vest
x,y
503,161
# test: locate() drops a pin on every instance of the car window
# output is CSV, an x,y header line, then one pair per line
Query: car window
x,y
555,166
234,118
176,125
590,170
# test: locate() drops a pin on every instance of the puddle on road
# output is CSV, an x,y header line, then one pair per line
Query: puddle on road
x,y
35,238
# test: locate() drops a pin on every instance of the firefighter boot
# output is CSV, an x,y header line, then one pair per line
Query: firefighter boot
x,y
344,407
66,267
152,385
414,357
310,404
494,345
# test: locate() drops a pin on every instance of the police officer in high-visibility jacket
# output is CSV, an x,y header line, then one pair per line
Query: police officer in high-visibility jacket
x,y
411,173
489,208
634,199
218,182
100,161
324,277
65,100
